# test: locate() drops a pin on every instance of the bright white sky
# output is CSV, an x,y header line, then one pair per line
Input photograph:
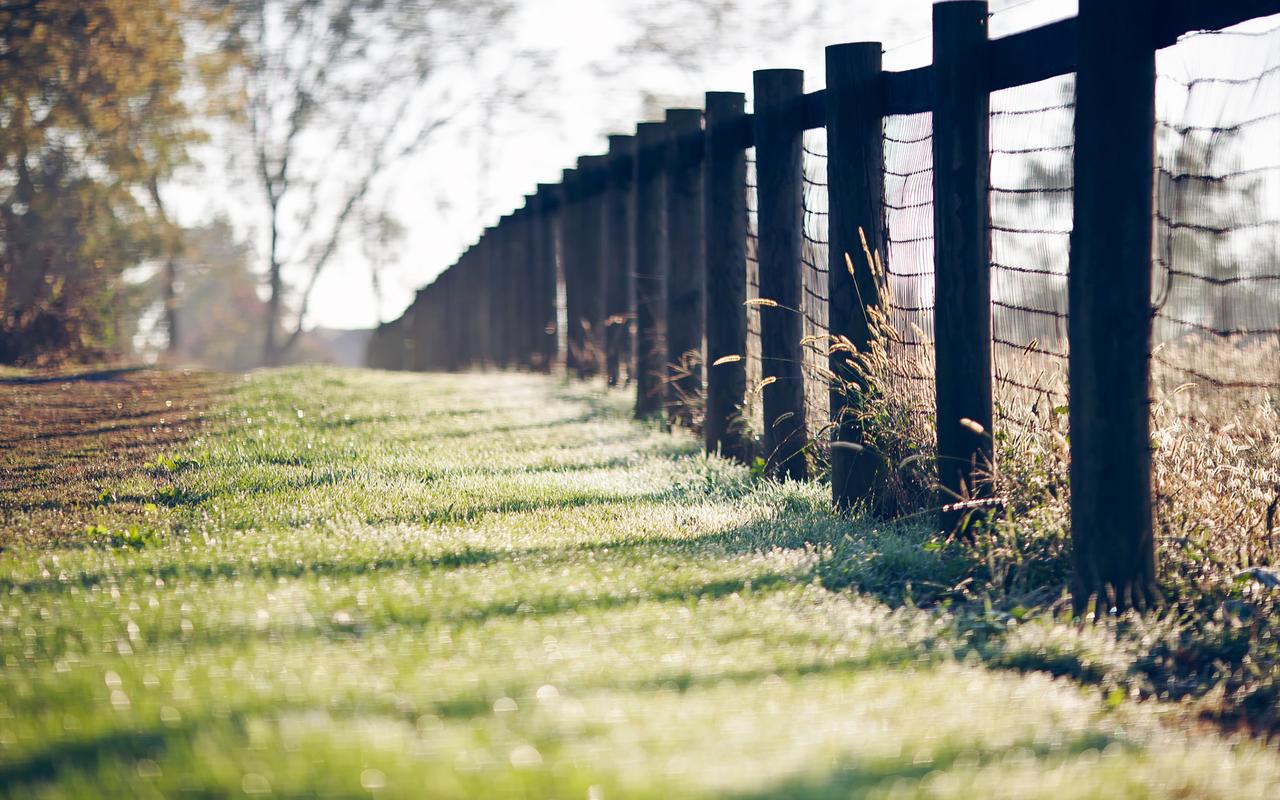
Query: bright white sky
x,y
490,177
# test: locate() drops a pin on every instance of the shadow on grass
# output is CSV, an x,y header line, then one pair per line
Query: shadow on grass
x,y
97,376
854,780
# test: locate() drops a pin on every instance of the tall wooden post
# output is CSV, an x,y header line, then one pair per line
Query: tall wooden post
x,y
592,174
459,305
962,257
533,265
502,322
620,260
651,265
855,192
512,287
684,263
475,322
549,297
725,215
571,265
450,342
439,322
514,290
529,285
486,301
1109,293
780,186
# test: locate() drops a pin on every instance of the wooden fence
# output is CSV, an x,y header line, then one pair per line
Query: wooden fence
x,y
644,251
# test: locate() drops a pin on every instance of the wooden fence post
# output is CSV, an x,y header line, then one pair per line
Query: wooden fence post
x,y
435,312
492,260
501,321
780,182
439,322
454,342
418,332
962,255
549,297
1109,294
475,323
517,288
422,335
511,287
593,175
855,192
488,247
651,266
530,286
685,254
522,287
725,220
570,263
620,261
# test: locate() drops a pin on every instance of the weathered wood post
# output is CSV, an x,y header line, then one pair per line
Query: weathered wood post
x,y
962,257
780,182
593,176
459,314
487,301
510,274
468,322
549,299
502,321
1109,294
620,261
532,230
454,346
522,286
532,358
426,312
651,265
725,215
570,262
418,333
685,255
511,286
855,192
441,352
436,351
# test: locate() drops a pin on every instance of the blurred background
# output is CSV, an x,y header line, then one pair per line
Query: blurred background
x,y
236,183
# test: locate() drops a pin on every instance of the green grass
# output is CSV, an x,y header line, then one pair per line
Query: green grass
x,y
367,584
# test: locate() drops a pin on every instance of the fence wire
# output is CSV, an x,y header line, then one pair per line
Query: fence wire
x,y
908,202
753,411
1030,194
1216,280
814,285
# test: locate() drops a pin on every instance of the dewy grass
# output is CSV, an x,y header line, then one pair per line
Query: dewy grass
x,y
392,585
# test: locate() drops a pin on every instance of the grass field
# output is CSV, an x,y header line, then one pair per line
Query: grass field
x,y
351,584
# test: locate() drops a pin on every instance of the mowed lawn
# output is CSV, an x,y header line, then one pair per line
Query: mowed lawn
x,y
356,584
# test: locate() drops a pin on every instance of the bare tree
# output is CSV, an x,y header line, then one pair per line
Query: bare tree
x,y
333,95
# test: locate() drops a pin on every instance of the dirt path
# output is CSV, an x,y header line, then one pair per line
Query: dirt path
x,y
66,438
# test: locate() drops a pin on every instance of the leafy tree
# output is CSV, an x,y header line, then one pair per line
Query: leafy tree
x,y
90,117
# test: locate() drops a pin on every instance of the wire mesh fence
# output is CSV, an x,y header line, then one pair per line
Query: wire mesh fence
x,y
1030,195
908,300
1215,383
1216,282
753,410
814,284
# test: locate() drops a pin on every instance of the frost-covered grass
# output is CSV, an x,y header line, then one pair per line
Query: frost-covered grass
x,y
389,585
